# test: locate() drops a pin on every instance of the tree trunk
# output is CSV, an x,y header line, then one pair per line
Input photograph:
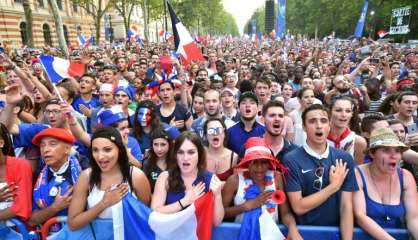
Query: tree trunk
x,y
98,24
145,16
58,27
28,17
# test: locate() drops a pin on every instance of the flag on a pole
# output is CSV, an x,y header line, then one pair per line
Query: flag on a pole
x,y
382,33
59,68
281,19
184,42
360,24
81,39
166,35
133,220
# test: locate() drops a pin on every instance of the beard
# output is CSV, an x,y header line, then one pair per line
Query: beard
x,y
273,133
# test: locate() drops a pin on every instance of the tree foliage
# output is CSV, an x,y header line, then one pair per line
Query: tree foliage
x,y
340,16
205,16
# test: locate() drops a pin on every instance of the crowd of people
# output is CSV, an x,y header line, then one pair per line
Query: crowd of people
x,y
333,124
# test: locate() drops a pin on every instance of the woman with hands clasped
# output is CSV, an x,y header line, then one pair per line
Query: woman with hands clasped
x,y
387,194
188,180
254,187
108,180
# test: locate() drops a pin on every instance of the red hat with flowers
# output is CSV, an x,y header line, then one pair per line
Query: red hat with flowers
x,y
256,149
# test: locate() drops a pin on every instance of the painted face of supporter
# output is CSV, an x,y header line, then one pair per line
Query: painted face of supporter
x,y
408,105
54,115
122,98
316,126
215,134
166,93
386,159
341,113
187,157
160,147
307,99
274,120
258,169
54,152
87,85
105,153
399,130
212,103
248,109
198,106
144,116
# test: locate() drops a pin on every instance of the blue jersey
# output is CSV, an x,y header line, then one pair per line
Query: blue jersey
x,y
237,136
303,176
92,104
133,145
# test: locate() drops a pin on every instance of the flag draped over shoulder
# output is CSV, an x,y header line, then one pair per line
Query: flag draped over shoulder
x,y
257,223
59,68
133,220
185,45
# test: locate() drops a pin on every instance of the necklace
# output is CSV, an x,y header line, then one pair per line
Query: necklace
x,y
387,218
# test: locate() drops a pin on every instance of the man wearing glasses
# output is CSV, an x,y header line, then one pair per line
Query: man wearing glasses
x,y
321,179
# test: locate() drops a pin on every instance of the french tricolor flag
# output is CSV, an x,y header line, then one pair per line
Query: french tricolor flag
x,y
185,45
59,68
133,220
81,39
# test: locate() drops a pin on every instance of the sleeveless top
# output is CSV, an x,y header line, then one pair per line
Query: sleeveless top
x,y
300,135
345,142
206,177
96,195
225,175
244,183
386,215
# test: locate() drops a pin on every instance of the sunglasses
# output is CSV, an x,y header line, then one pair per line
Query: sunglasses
x,y
214,131
319,173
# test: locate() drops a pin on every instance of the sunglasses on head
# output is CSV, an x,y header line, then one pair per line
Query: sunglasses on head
x,y
319,173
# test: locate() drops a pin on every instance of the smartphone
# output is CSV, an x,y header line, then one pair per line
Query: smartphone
x,y
374,61
412,128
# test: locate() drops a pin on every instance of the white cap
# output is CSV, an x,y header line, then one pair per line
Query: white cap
x,y
106,87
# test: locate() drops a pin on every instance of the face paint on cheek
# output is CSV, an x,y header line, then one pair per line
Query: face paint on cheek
x,y
144,117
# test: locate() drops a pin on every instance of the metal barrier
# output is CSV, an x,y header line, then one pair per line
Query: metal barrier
x,y
229,231
22,230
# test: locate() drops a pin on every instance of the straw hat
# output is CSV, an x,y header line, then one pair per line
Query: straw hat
x,y
385,137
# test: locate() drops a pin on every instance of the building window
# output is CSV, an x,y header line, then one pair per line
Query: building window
x,y
78,27
47,34
41,3
75,8
66,34
23,33
18,1
59,3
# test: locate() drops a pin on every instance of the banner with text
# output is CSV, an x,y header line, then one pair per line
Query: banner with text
x,y
399,23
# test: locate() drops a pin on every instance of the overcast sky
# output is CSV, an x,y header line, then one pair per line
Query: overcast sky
x,y
242,10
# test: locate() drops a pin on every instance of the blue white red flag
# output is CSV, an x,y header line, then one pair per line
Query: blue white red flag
x,y
59,68
360,24
81,39
185,45
281,19
133,220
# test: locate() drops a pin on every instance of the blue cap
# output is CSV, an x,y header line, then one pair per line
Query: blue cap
x,y
111,115
128,90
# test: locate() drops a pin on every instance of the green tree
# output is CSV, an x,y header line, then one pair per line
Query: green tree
x,y
125,9
96,9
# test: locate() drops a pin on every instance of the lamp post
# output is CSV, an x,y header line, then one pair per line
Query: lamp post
x,y
371,31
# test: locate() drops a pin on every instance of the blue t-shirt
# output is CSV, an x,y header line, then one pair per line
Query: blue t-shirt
x,y
180,113
133,145
302,175
237,136
206,177
92,104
